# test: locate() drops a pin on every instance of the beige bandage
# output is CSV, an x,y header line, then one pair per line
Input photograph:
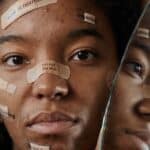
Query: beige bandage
x,y
20,8
143,33
51,67
4,111
89,18
9,88
38,147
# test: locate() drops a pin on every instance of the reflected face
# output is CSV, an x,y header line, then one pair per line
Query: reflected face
x,y
56,33
129,117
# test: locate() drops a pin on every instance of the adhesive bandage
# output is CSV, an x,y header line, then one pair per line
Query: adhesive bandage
x,y
20,8
9,88
38,147
89,18
51,67
4,111
143,33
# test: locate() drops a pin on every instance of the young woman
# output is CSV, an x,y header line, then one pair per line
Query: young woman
x,y
55,61
128,122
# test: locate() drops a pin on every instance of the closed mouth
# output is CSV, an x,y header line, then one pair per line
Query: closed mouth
x,y
143,135
51,123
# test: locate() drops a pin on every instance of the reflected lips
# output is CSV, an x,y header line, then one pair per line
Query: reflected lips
x,y
51,123
143,135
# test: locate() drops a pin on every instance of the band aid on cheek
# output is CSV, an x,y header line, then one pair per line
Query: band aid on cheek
x,y
143,33
34,146
51,67
9,88
4,111
20,8
89,18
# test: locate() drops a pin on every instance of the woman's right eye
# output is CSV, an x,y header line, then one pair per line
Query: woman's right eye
x,y
134,68
14,60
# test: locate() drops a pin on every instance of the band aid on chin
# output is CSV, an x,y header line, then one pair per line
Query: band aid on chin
x,y
51,67
143,33
38,147
89,18
9,88
20,8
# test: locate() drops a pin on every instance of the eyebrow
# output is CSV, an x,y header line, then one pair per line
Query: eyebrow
x,y
10,38
85,32
144,47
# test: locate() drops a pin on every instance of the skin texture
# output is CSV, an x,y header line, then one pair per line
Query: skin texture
x,y
49,33
128,124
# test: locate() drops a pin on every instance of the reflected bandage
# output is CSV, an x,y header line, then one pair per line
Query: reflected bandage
x,y
4,111
51,67
9,88
143,33
89,18
38,147
20,8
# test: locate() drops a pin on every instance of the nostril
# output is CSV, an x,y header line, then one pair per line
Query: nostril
x,y
40,96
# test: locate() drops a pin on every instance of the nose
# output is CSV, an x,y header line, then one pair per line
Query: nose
x,y
51,87
143,109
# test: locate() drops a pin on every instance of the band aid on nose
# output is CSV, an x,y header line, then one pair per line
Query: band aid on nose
x,y
20,8
51,67
34,146
9,88
143,33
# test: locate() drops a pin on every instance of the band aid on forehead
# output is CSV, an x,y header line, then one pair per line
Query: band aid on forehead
x,y
20,8
89,18
51,67
38,147
143,33
9,88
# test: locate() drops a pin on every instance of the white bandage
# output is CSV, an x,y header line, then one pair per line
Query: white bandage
x,y
20,8
51,67
38,147
9,88
143,33
89,18
4,111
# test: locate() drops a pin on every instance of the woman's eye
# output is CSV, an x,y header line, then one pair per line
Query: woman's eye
x,y
134,68
84,55
15,60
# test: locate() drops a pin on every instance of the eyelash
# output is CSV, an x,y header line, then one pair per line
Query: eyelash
x,y
9,60
85,55
134,68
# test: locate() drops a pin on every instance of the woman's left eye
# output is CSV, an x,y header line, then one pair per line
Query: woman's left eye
x,y
84,55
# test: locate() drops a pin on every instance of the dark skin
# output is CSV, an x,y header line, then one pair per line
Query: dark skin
x,y
56,33
128,124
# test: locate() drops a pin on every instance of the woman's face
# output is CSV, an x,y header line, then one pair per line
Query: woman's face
x,y
128,126
55,32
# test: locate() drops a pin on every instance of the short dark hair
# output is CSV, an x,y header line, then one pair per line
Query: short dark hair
x,y
123,16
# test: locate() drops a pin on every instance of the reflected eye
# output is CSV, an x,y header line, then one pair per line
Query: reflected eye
x,y
134,68
84,55
14,60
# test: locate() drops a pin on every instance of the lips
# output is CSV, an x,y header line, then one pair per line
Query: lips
x,y
51,123
144,135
